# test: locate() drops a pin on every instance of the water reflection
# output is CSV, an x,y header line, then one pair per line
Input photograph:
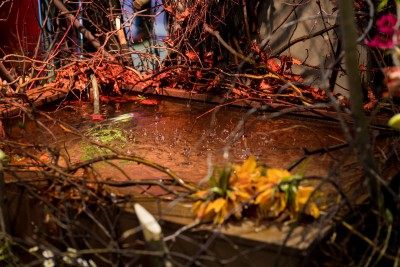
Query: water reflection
x,y
170,134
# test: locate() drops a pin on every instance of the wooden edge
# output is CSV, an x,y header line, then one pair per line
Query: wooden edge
x,y
246,231
37,97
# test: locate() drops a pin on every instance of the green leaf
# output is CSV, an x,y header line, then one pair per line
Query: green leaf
x,y
212,181
394,122
264,171
224,178
389,216
382,5
301,169
284,187
229,194
217,190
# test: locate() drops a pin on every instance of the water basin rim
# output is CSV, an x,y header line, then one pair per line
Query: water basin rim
x,y
319,114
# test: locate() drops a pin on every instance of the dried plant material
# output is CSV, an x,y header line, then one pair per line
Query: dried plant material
x,y
392,80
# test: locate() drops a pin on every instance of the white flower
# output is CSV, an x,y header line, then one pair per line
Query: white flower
x,y
48,254
82,262
92,263
73,253
33,249
67,260
48,263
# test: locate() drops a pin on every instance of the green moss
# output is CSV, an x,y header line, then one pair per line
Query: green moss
x,y
112,137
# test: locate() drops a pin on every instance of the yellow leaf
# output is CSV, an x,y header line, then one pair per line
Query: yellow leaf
x,y
263,185
240,196
272,207
313,210
249,165
199,208
200,193
246,187
202,211
218,204
246,173
264,196
209,208
303,197
220,216
279,204
276,175
214,207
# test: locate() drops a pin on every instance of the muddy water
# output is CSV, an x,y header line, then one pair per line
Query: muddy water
x,y
170,134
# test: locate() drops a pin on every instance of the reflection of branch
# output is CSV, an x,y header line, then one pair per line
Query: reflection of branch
x,y
308,153
138,160
116,155
240,129
163,184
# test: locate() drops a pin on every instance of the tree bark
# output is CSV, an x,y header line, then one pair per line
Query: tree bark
x,y
362,139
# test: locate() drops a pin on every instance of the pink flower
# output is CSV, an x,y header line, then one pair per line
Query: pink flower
x,y
386,24
386,28
380,42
